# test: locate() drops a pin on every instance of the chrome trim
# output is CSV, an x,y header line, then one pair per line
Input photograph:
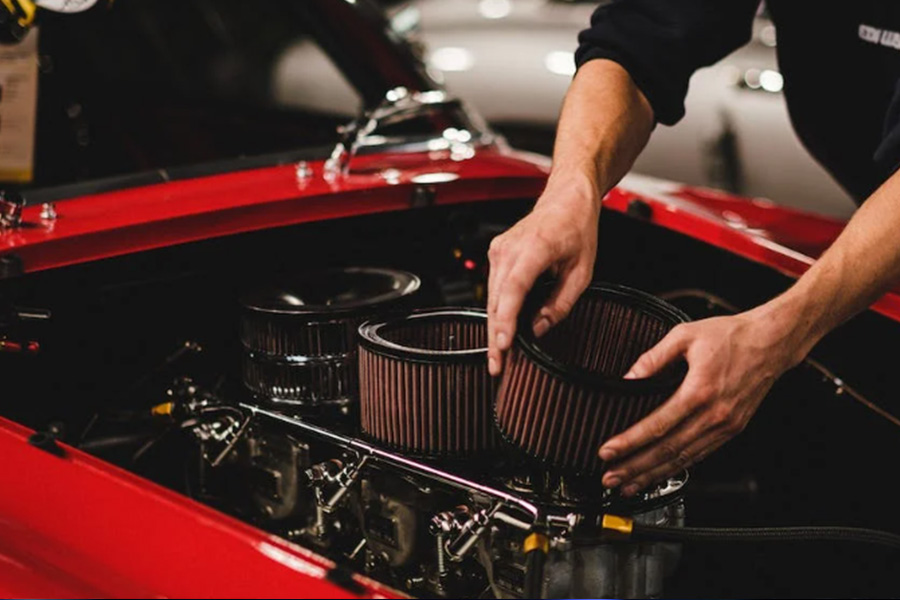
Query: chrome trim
x,y
11,206
401,462
398,105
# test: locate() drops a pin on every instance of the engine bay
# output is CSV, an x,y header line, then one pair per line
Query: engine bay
x,y
197,374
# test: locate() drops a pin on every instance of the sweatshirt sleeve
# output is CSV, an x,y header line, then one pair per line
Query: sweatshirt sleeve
x,y
662,42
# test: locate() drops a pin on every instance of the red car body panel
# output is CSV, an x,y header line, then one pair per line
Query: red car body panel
x,y
785,239
76,526
79,527
131,220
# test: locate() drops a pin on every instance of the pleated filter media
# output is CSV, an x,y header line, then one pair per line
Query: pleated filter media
x,y
563,395
424,385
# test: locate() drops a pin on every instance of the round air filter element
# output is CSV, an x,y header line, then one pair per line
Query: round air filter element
x,y
299,337
563,395
424,385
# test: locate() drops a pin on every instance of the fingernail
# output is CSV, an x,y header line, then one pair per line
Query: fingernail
x,y
630,375
492,366
541,327
501,340
612,482
630,490
607,454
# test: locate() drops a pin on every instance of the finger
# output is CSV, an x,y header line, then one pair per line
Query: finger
x,y
668,349
564,296
673,449
656,425
512,291
694,454
500,262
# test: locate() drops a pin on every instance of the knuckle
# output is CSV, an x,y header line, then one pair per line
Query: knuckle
x,y
720,416
495,250
545,243
581,278
703,393
658,429
516,282
683,460
561,307
668,452
640,482
734,426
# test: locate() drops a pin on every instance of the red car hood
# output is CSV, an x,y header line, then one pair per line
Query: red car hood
x,y
785,239
109,224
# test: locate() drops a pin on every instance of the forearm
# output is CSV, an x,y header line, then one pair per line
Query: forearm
x,y
861,265
604,125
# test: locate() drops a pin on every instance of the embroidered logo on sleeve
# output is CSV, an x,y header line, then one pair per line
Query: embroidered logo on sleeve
x,y
882,37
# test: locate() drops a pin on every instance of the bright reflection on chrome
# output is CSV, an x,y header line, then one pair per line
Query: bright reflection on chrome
x,y
460,152
391,176
771,81
494,9
751,79
438,144
406,20
560,62
457,135
437,177
766,80
452,59
395,94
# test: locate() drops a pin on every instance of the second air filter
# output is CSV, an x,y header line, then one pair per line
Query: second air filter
x,y
424,385
563,395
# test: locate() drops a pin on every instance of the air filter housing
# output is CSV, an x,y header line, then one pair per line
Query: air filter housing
x,y
563,395
424,385
300,337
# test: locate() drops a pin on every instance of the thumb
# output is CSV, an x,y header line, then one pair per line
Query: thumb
x,y
653,360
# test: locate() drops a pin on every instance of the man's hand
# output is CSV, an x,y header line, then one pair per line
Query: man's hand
x,y
732,363
604,124
560,234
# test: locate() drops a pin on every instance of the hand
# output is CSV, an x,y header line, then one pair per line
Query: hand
x,y
732,363
559,234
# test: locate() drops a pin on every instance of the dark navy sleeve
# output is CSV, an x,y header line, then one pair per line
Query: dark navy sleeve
x,y
662,42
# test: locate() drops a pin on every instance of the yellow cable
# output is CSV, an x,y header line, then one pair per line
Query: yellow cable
x,y
163,410
617,524
18,7
536,541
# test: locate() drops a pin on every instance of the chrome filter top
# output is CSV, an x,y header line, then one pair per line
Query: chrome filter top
x,y
424,385
563,395
299,337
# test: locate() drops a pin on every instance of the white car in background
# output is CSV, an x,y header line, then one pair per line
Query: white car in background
x,y
512,60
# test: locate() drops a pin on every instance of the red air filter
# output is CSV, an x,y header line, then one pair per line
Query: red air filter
x,y
562,396
424,385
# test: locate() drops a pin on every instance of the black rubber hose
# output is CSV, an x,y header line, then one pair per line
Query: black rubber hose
x,y
536,547
656,533
114,441
534,573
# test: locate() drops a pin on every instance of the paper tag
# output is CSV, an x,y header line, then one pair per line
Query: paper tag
x,y
18,108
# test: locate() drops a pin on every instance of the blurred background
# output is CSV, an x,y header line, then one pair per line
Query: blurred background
x,y
122,97
513,60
